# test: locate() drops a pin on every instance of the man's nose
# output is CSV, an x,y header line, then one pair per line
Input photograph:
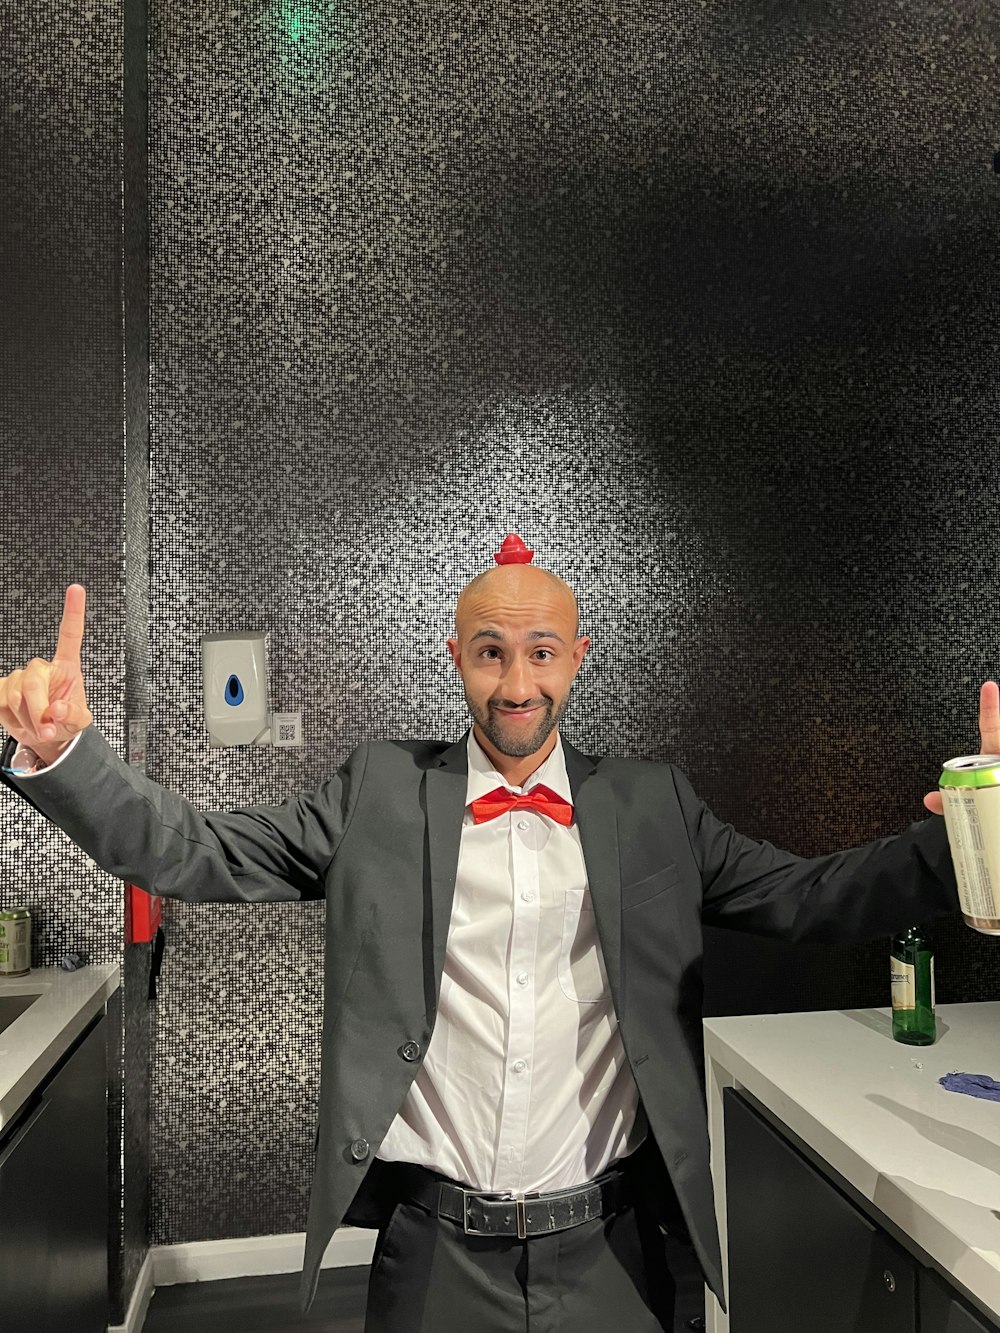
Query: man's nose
x,y
517,682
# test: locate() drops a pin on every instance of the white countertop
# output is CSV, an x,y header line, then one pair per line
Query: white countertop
x,y
873,1109
35,1041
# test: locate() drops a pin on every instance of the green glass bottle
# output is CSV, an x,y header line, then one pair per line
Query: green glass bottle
x,y
912,971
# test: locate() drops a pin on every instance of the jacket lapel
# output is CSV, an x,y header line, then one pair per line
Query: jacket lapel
x,y
595,817
445,788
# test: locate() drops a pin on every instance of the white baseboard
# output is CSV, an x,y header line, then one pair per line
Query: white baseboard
x,y
249,1256
142,1294
254,1256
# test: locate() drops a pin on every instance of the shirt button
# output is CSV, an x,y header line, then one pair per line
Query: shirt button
x,y
519,1066
410,1051
527,896
359,1149
522,978
522,824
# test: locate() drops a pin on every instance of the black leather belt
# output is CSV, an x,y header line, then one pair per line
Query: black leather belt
x,y
481,1213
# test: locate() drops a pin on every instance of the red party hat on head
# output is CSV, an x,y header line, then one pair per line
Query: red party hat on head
x,y
513,551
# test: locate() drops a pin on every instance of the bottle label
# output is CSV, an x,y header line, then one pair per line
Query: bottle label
x,y
904,984
904,989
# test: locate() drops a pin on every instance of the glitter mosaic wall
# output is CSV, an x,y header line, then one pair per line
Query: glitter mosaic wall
x,y
61,482
69,498
701,299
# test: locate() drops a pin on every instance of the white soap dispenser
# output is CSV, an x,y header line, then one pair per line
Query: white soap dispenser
x,y
234,676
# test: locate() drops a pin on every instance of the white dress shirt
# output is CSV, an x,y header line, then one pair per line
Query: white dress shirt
x,y
24,763
525,1085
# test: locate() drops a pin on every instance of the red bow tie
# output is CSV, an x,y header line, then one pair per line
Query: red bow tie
x,y
542,799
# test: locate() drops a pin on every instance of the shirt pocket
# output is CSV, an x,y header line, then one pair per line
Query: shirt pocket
x,y
581,966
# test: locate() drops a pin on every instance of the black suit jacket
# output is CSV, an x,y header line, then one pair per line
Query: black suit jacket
x,y
380,842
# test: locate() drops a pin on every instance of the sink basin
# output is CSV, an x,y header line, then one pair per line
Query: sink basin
x,y
13,1006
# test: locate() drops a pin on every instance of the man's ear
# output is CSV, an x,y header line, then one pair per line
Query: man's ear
x,y
453,649
580,652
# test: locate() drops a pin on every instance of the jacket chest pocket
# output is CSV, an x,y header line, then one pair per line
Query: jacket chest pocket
x,y
581,966
642,891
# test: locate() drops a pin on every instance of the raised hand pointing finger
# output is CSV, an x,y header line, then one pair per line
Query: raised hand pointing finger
x,y
67,711
72,624
989,717
989,734
44,705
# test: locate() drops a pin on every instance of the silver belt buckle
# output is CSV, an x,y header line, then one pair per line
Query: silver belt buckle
x,y
467,1226
516,1199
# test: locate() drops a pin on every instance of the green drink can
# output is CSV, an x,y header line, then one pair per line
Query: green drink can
x,y
15,941
970,790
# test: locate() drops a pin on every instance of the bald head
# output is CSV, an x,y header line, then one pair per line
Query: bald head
x,y
516,587
517,651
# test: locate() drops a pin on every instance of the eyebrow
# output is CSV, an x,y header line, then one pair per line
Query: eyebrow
x,y
533,635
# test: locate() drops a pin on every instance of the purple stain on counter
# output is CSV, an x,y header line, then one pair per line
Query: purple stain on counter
x,y
974,1085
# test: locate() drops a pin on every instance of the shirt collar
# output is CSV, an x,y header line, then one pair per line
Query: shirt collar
x,y
483,777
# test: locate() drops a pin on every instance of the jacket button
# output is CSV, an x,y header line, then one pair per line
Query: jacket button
x,y
359,1149
410,1051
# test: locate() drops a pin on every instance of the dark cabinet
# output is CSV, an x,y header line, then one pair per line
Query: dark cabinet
x,y
941,1311
54,1200
803,1255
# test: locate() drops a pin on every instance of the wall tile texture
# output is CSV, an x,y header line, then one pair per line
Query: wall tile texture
x,y
699,299
71,501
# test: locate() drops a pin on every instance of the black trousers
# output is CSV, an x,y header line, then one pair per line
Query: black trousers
x,y
606,1276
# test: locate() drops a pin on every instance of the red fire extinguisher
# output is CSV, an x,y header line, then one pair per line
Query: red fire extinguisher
x,y
143,918
143,914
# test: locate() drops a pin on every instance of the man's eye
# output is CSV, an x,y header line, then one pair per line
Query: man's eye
x,y
544,653
490,652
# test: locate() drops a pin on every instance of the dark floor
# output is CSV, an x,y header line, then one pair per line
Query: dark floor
x,y
270,1304
261,1305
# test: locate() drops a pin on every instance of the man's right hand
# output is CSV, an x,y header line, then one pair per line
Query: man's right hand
x,y
44,705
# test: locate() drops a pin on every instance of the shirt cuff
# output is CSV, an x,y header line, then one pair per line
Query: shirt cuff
x,y
26,764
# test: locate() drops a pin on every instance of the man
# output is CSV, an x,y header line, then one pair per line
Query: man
x,y
512,973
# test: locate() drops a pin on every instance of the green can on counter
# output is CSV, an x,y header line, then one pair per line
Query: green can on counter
x,y
15,941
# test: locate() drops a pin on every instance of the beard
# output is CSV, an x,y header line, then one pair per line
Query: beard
x,y
516,745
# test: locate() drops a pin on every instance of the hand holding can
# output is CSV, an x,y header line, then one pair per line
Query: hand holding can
x,y
970,791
